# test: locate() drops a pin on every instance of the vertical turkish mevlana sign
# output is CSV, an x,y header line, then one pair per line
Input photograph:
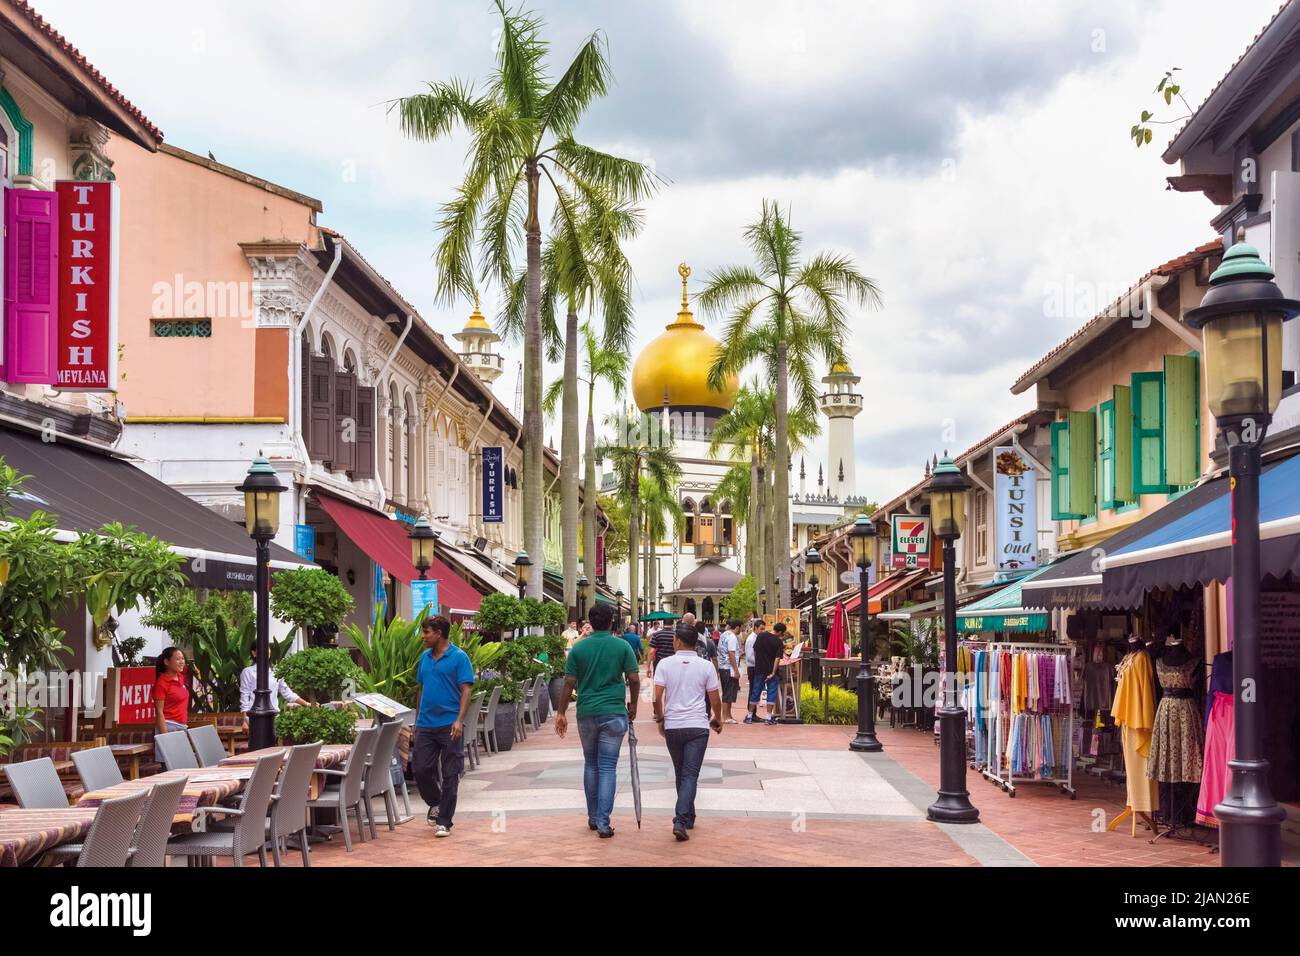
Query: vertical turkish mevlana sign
x,y
1015,489
493,478
87,286
30,335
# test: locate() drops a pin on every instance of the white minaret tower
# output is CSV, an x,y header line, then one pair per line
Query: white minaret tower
x,y
840,403
477,344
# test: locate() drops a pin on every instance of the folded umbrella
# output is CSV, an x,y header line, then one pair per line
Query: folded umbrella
x,y
636,773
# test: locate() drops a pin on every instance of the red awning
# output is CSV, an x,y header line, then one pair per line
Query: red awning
x,y
883,588
385,542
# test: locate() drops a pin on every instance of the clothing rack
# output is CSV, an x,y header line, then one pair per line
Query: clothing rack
x,y
1003,737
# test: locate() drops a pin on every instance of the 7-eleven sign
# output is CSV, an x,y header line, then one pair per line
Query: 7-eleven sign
x,y
911,541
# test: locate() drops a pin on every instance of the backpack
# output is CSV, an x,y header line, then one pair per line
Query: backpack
x,y
706,648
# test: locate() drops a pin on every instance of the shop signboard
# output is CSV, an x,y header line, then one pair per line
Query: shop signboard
x,y
424,596
493,484
87,286
600,556
910,541
1018,622
130,695
304,541
1015,494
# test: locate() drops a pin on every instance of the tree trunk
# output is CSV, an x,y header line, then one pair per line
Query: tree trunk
x,y
534,459
751,518
781,477
589,495
633,552
769,540
762,522
569,463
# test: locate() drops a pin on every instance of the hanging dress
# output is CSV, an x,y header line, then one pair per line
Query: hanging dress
x,y
1220,740
1134,710
1176,742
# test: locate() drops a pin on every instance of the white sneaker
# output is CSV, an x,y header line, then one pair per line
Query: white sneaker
x,y
443,831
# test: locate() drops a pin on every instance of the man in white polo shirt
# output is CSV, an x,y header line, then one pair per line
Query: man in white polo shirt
x,y
683,683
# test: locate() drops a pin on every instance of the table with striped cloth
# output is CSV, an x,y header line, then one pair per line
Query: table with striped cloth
x,y
26,834
206,787
331,755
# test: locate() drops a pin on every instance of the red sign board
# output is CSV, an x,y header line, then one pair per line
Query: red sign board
x,y
132,700
600,556
87,286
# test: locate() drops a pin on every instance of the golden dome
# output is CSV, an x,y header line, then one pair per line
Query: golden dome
x,y
678,361
477,323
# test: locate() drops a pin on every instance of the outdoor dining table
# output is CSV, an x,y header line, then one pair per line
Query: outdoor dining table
x,y
331,755
26,834
206,787
131,754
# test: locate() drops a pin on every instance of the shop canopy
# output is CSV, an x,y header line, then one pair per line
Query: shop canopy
x,y
1004,610
1075,582
84,489
1196,548
935,608
883,588
384,541
479,569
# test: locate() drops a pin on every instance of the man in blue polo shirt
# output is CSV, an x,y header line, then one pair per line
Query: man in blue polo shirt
x,y
446,679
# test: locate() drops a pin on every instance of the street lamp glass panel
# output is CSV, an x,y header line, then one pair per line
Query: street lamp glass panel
x,y
523,568
262,513
1235,359
862,537
423,546
584,587
948,511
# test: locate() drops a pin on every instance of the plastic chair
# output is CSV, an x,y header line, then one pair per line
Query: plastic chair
x,y
177,754
346,797
108,844
97,768
379,776
155,827
36,784
289,809
249,832
207,744
489,721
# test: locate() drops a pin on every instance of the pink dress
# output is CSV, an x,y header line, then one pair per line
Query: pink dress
x,y
1220,746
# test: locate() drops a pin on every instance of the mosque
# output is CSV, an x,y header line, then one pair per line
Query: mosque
x,y
703,561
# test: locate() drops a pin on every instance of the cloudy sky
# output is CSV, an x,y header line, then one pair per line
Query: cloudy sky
x,y
972,157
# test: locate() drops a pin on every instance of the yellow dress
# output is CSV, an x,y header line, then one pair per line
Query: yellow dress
x,y
1134,711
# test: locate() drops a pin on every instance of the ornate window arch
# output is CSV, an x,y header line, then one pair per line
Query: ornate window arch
x,y
17,131
393,429
412,440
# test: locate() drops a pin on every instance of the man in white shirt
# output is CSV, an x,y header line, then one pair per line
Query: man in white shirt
x,y
248,687
683,683
749,650
729,667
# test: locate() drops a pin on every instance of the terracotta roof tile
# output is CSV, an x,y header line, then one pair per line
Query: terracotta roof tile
x,y
27,11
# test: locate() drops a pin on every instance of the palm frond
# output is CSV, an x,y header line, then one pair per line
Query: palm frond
x,y
520,76
624,179
587,78
433,115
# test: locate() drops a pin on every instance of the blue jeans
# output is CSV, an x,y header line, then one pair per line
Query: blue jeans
x,y
686,746
601,739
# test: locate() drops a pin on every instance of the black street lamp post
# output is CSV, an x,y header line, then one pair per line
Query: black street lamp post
x,y
862,537
762,593
423,548
813,561
523,568
947,493
1240,319
262,491
584,595
618,604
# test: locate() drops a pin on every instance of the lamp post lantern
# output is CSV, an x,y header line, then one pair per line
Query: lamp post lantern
x,y
584,595
762,594
947,494
262,491
1240,319
523,569
423,546
813,561
861,538
618,607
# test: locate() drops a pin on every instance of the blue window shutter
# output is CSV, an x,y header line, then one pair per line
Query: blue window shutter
x,y
1148,433
1061,472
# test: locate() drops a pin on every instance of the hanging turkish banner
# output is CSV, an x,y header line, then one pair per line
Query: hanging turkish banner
x,y
87,285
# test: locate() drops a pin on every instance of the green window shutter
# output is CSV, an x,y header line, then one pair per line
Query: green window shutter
x,y
1122,403
1148,433
1182,420
1083,463
1106,454
1061,473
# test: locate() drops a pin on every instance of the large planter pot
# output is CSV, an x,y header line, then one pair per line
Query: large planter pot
x,y
505,725
555,688
544,707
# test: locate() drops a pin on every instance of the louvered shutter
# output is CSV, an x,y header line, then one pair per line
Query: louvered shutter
x,y
1148,433
1061,472
345,421
321,443
364,464
1122,399
1182,420
1083,463
31,327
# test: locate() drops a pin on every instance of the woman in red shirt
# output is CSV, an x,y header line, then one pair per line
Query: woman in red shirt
x,y
171,694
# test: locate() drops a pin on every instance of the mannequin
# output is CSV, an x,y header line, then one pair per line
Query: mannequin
x,y
1134,711
1175,759
1220,745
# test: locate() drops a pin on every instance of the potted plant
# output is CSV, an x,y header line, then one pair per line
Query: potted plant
x,y
498,614
320,674
303,725
310,599
506,708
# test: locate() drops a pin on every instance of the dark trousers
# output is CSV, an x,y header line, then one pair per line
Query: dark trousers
x,y
436,762
686,747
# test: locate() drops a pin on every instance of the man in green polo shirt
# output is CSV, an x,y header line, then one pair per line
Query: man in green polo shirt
x,y
603,669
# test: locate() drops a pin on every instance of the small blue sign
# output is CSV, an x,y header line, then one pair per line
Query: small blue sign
x,y
493,484
378,592
424,594
304,541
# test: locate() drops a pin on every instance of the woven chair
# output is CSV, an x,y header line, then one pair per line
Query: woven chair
x,y
149,845
289,809
108,844
521,708
177,754
36,784
346,797
489,721
207,744
97,768
533,712
473,727
379,777
249,832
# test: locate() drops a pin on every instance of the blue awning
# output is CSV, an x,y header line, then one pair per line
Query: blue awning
x,y
1003,610
1196,548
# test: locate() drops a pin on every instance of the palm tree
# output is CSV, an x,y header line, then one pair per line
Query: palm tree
x,y
633,453
659,505
786,313
600,364
522,133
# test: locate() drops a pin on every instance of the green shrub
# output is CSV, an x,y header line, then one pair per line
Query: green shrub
x,y
309,598
498,613
319,673
303,725
389,653
742,603
481,654
509,688
841,706
516,660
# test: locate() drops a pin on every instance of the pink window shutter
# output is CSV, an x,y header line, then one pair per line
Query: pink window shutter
x,y
31,282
